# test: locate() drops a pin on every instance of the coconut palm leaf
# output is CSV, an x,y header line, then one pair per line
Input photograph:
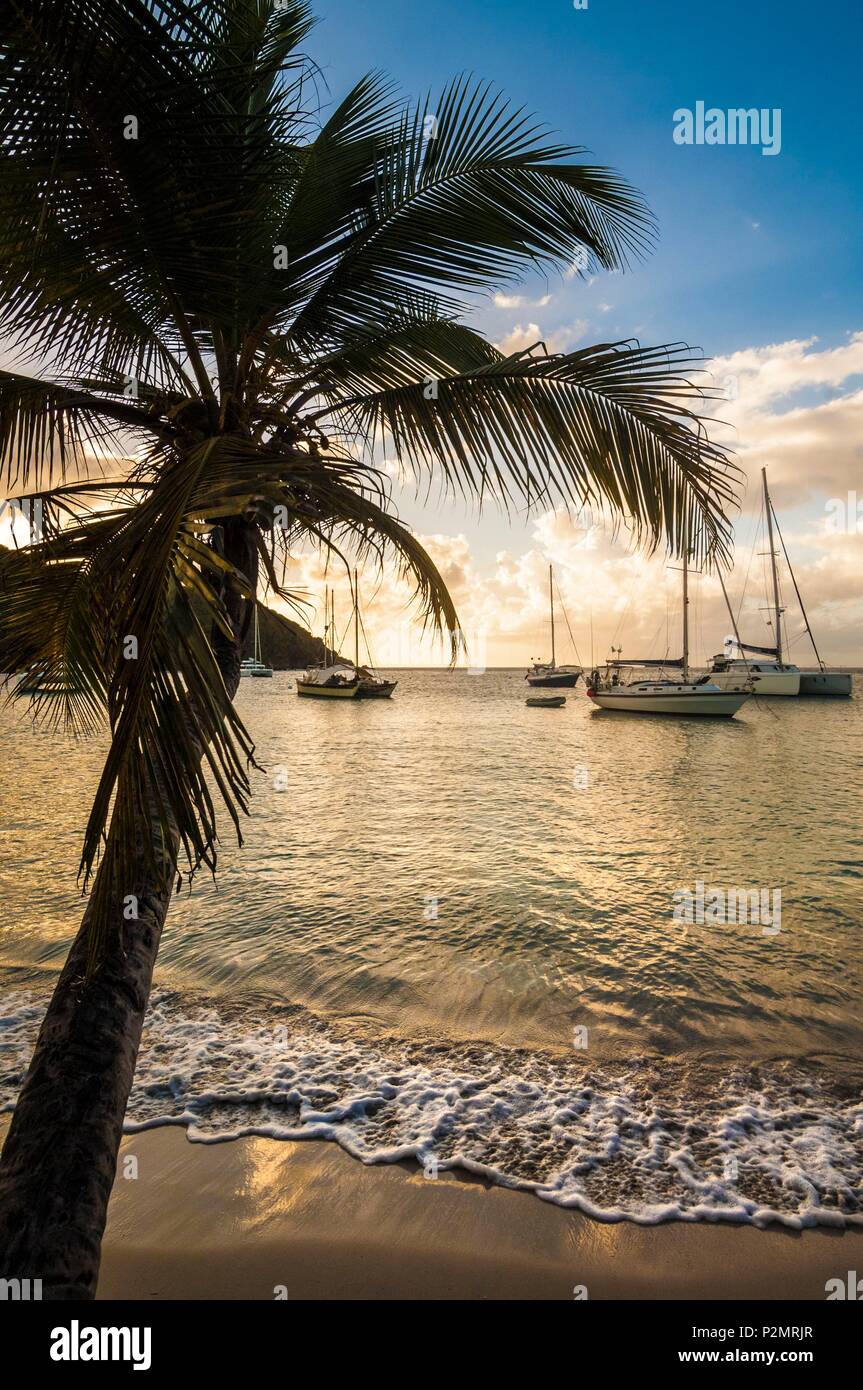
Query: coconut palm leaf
x,y
464,194
50,430
611,426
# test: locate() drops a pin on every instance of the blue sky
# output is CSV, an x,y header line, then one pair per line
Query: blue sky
x,y
758,263
610,78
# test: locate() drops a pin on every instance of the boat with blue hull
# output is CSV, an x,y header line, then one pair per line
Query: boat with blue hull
x,y
547,674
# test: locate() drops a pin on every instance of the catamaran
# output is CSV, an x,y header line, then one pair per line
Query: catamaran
x,y
253,665
768,671
548,673
820,682
621,687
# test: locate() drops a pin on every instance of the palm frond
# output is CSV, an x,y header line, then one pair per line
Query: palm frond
x,y
466,202
612,426
50,431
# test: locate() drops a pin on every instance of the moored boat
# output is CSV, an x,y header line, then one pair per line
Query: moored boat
x,y
825,683
545,701
338,679
334,679
254,665
829,684
766,671
547,674
768,676
337,682
372,685
621,688
642,695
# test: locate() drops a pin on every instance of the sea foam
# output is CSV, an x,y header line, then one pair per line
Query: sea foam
x,y
646,1140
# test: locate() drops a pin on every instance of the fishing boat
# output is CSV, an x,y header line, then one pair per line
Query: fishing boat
x,y
622,685
334,679
253,665
548,673
545,701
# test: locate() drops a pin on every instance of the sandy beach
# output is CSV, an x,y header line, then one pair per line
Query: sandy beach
x,y
237,1220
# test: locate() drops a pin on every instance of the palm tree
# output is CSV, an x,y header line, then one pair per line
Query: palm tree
x,y
233,299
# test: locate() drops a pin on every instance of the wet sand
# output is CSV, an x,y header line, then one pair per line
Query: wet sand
x,y
243,1219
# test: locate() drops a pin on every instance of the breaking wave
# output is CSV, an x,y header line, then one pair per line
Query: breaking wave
x,y
647,1140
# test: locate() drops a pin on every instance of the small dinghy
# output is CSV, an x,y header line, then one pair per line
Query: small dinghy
x,y
546,701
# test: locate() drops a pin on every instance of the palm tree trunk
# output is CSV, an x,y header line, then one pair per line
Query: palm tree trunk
x,y
60,1155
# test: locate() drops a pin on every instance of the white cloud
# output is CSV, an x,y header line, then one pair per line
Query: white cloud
x,y
811,447
561,339
518,301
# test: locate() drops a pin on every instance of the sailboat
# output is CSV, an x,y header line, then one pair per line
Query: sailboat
x,y
767,670
253,665
335,679
821,682
372,685
619,687
549,673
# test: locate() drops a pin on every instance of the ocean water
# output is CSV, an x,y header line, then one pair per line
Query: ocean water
x,y
456,934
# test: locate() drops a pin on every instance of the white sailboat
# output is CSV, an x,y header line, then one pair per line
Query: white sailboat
x,y
548,673
253,665
821,682
335,679
768,673
621,687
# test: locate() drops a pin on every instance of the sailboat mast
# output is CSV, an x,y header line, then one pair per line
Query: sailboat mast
x,y
731,615
551,608
356,622
797,592
776,606
686,600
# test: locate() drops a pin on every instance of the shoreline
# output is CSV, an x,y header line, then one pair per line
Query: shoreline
x,y
236,1220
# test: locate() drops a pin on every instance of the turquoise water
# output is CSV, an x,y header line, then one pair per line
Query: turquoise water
x,y
449,885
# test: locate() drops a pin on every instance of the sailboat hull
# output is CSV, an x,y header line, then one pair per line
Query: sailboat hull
x,y
555,680
632,700
376,692
763,682
327,692
832,684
